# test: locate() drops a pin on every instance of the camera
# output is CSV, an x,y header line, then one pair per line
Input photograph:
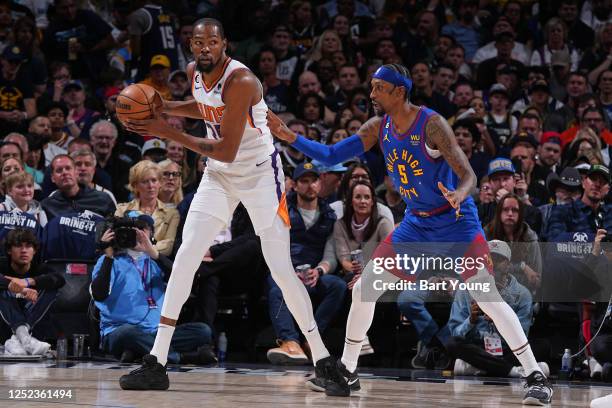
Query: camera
x,y
124,229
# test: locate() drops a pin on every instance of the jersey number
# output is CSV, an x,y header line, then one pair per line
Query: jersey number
x,y
214,131
167,37
402,172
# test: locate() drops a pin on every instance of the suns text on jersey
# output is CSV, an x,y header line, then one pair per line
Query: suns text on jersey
x,y
211,114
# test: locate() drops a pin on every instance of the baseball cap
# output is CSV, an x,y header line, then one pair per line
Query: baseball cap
x,y
498,88
523,137
336,168
551,137
539,85
13,54
305,168
175,73
500,248
141,217
74,84
599,169
153,144
500,165
160,59
570,179
504,36
560,59
583,168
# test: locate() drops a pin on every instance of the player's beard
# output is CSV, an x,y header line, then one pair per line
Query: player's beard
x,y
207,67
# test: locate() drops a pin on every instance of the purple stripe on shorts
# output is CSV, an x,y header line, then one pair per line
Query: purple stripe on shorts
x,y
275,167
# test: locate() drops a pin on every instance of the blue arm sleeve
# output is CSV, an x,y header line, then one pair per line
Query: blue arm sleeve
x,y
330,155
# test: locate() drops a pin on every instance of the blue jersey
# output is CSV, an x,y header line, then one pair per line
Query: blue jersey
x,y
415,173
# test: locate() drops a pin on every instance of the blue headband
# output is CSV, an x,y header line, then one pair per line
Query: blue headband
x,y
393,77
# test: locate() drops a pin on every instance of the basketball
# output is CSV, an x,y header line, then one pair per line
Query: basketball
x,y
137,101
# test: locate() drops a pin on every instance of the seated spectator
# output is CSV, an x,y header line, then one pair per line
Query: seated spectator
x,y
563,189
548,157
465,30
312,223
423,93
18,93
504,180
154,150
27,291
158,76
488,69
40,127
62,130
470,327
20,196
361,227
485,192
499,121
524,159
85,163
12,165
22,141
580,215
70,196
587,145
355,173
74,97
329,179
509,226
556,40
519,51
170,191
128,288
145,184
468,138
104,141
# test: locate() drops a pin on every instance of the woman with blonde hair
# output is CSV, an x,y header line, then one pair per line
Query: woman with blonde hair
x,y
324,46
144,183
555,38
171,190
20,196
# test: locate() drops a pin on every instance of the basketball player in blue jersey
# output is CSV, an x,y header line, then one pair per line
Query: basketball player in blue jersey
x,y
434,178
243,166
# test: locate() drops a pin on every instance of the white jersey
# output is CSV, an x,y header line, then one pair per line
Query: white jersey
x,y
256,145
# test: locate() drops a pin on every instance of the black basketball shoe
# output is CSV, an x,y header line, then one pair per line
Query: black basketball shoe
x,y
539,390
151,376
318,383
329,379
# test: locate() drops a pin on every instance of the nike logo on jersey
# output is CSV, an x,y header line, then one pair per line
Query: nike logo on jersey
x,y
259,164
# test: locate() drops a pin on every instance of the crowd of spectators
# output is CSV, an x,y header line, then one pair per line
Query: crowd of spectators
x,y
525,85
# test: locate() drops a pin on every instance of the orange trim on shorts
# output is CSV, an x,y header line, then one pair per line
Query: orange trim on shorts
x,y
206,87
283,211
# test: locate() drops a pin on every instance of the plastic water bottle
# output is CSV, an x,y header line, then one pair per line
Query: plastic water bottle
x,y
566,361
222,347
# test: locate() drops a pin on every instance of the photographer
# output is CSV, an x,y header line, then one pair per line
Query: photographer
x,y
128,288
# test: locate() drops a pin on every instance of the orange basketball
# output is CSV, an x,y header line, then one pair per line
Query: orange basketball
x,y
137,101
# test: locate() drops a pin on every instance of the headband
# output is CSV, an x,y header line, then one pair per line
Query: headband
x,y
393,77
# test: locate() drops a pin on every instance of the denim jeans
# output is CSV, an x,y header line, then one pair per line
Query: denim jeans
x,y
187,337
17,312
412,305
329,292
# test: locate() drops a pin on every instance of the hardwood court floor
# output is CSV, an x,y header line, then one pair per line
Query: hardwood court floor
x,y
96,385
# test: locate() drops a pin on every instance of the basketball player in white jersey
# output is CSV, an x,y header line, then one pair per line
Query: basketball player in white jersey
x,y
243,166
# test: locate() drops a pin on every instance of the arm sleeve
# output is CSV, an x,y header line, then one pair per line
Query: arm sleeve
x,y
100,285
330,155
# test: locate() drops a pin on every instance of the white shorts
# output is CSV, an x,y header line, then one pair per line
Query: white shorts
x,y
261,190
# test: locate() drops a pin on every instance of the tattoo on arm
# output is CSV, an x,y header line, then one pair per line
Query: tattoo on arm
x,y
205,147
441,136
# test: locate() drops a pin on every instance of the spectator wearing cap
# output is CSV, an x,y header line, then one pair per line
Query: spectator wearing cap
x,y
580,215
549,156
154,150
503,178
70,196
74,97
464,29
40,127
159,74
151,33
86,48
144,183
179,85
504,43
312,243
560,69
499,121
541,99
563,189
519,51
555,40
423,93
27,291
468,137
528,188
17,93
580,35
469,326
103,137
329,179
576,93
128,287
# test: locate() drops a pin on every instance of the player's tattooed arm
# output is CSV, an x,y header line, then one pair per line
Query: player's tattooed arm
x,y
368,132
440,137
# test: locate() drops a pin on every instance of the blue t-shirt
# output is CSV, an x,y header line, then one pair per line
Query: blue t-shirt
x,y
71,236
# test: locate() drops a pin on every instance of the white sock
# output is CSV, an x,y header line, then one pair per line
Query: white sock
x,y
359,321
276,252
506,322
23,334
162,343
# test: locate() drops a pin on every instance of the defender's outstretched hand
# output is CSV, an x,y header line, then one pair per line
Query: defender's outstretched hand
x,y
279,129
454,198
